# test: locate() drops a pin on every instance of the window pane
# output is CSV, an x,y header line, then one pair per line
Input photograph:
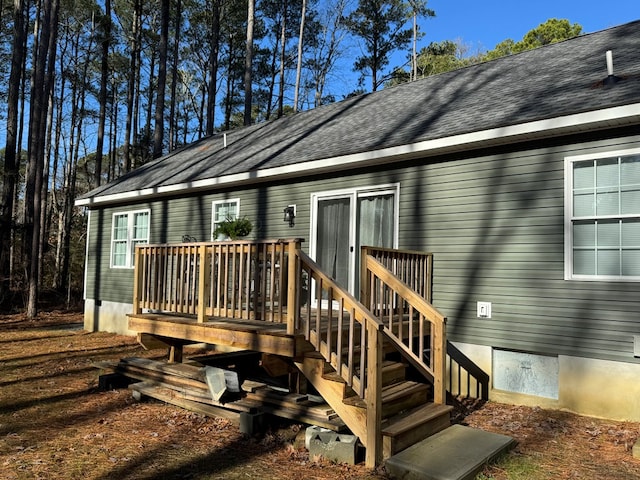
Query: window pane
x,y
141,226
630,170
583,175
584,205
119,254
584,235
607,203
608,234
225,210
630,201
584,262
630,233
607,173
120,226
631,262
608,262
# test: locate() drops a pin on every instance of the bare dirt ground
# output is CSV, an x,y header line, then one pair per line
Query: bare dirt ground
x,y
56,424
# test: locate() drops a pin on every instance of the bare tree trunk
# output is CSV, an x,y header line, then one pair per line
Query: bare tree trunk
x,y
228,102
283,45
133,72
325,58
299,66
213,66
65,214
11,161
272,83
45,216
113,133
248,63
56,203
42,82
158,133
146,139
102,95
173,138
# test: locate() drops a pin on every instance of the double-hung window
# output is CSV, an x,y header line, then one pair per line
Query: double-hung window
x,y
224,210
602,216
129,230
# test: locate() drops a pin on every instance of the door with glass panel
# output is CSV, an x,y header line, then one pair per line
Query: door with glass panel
x,y
345,220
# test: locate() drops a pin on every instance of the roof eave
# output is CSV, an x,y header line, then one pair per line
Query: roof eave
x,y
535,130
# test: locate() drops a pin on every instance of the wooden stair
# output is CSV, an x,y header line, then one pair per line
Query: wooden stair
x,y
407,415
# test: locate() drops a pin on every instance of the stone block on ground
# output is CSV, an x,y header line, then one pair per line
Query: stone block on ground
x,y
337,447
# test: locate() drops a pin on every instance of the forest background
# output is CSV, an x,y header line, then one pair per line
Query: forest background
x,y
91,89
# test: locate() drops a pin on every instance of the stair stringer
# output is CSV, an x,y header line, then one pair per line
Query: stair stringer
x,y
333,393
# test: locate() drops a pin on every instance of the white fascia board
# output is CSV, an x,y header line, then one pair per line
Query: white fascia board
x,y
594,120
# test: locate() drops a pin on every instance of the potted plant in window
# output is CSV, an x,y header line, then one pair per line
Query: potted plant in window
x,y
233,228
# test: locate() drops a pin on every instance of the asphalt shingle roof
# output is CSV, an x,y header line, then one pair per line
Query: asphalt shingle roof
x,y
551,81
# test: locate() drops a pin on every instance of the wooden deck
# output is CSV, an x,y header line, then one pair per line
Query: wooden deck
x,y
270,297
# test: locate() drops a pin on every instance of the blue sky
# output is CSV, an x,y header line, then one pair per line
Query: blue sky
x,y
483,24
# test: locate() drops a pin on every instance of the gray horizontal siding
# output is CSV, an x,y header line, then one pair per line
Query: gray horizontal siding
x,y
495,224
496,228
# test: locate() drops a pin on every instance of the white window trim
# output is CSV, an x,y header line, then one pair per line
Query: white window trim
x,y
213,212
392,188
568,216
130,216
354,193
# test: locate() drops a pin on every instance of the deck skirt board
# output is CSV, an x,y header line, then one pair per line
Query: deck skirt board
x,y
266,337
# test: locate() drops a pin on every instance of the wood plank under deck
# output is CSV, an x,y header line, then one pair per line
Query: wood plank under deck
x,y
259,336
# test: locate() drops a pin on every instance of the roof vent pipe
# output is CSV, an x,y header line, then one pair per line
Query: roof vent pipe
x,y
224,140
611,78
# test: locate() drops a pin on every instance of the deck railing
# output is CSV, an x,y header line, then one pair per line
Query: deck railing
x,y
465,378
415,269
415,327
238,279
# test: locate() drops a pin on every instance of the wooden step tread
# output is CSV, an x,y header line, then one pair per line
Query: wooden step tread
x,y
410,419
398,390
391,393
392,372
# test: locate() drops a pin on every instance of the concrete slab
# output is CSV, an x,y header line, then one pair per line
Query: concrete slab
x,y
456,453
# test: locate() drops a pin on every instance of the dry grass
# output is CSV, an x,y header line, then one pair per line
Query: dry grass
x,y
56,424
559,445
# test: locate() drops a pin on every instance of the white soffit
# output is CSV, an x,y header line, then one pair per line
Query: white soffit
x,y
579,122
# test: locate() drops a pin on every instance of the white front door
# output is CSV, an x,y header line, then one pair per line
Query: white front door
x,y
342,221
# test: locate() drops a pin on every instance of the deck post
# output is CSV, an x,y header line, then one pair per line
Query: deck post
x,y
292,286
137,280
204,276
373,395
439,363
364,284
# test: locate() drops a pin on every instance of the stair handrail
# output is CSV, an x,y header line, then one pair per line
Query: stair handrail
x,y
386,294
472,371
366,377
347,302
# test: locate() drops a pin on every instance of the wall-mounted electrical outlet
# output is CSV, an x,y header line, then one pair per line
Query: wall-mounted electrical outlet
x,y
484,309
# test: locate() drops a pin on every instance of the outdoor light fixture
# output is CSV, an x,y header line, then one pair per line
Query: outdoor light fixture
x,y
290,215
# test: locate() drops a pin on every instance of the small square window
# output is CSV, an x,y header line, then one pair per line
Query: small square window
x,y
223,210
